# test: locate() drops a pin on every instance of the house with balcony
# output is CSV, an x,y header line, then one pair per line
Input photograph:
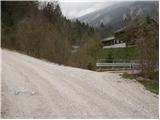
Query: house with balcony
x,y
112,42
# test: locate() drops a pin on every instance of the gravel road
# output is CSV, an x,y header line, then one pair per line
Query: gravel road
x,y
33,88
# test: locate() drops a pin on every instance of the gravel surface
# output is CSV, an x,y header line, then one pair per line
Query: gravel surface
x,y
33,88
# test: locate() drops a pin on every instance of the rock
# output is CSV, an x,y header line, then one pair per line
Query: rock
x,y
25,92
16,92
140,79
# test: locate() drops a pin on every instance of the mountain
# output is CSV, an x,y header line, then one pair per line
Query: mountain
x,y
113,17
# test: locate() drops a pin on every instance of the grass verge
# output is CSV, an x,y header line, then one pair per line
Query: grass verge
x,y
151,85
116,53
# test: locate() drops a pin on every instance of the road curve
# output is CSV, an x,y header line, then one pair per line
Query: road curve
x,y
33,88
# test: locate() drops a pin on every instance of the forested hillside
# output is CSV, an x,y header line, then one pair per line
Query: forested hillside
x,y
40,30
114,17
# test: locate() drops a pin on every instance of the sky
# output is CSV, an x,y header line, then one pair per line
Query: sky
x,y
76,9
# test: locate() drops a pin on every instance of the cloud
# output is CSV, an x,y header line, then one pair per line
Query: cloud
x,y
76,9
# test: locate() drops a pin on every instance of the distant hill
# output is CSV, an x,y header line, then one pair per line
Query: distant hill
x,y
112,18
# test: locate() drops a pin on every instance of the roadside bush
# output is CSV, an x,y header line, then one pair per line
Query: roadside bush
x,y
45,33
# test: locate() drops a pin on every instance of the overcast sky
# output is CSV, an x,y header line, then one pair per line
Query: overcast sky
x,y
77,9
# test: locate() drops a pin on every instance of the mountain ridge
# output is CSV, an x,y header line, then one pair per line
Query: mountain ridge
x,y
114,15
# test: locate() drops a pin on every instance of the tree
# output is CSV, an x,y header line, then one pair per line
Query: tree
x,y
148,49
102,25
45,33
12,13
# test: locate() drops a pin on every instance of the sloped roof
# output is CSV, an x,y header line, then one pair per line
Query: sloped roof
x,y
120,30
109,38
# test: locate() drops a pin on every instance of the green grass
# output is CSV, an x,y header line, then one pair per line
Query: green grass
x,y
128,76
151,85
116,53
129,54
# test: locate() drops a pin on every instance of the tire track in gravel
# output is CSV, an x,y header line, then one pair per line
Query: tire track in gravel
x,y
66,92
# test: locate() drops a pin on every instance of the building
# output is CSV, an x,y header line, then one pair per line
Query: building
x,y
108,41
129,35
126,36
112,42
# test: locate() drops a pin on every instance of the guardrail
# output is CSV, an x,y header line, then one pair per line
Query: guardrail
x,y
116,60
117,64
